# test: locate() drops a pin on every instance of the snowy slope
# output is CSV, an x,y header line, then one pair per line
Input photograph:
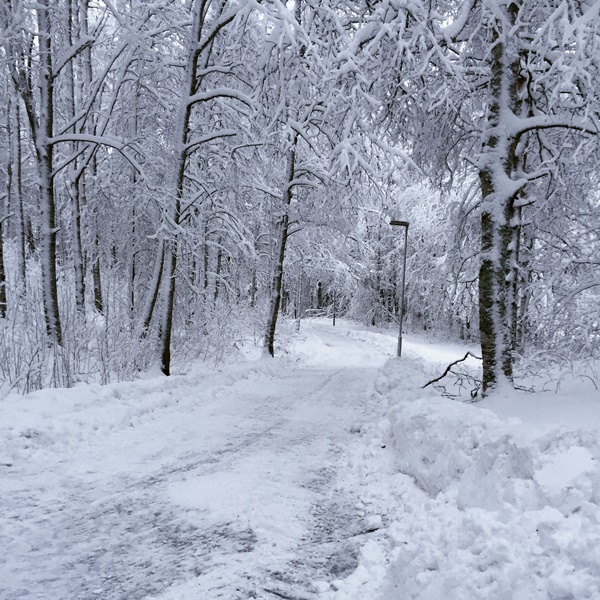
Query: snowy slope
x,y
475,506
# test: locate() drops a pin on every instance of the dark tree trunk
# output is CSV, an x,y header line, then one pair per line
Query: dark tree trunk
x,y
180,160
132,266
78,263
3,302
97,277
167,327
154,290
282,238
44,153
75,176
276,286
15,192
218,267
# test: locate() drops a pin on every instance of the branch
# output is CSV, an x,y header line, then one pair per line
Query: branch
x,y
220,93
8,216
70,53
520,125
209,137
449,368
98,140
249,145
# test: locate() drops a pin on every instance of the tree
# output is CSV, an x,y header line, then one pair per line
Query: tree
x,y
511,87
205,29
522,128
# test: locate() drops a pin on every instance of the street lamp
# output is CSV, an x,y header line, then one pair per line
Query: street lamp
x,y
405,225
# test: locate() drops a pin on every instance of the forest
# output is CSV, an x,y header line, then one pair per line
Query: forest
x,y
178,176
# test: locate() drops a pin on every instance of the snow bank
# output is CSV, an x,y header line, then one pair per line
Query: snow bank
x,y
475,510
52,422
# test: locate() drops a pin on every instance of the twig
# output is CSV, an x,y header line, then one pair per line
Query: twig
x,y
449,368
281,595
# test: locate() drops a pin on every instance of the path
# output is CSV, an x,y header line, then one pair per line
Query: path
x,y
213,485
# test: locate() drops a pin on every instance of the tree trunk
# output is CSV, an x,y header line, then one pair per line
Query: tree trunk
x,y
96,271
502,157
132,264
97,277
253,288
154,290
15,195
74,178
44,152
218,268
3,302
283,230
490,272
78,264
179,166
522,295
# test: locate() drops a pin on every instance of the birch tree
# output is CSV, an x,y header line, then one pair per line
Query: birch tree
x,y
508,86
541,95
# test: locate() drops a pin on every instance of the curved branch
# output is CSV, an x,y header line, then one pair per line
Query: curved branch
x,y
449,368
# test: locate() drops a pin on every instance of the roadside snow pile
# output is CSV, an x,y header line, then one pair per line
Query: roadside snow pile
x,y
474,510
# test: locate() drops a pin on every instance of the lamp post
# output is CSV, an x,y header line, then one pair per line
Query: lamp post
x,y
334,307
405,225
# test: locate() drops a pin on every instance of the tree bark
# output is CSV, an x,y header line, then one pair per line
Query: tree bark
x,y
502,157
218,268
179,166
492,307
75,176
44,153
97,277
15,196
282,238
154,290
3,301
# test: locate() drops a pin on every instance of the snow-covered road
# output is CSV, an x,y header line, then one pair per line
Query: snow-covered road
x,y
211,485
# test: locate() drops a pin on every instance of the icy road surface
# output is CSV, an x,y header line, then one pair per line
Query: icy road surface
x,y
205,486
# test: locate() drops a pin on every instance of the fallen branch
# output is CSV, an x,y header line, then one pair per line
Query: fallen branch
x,y
449,368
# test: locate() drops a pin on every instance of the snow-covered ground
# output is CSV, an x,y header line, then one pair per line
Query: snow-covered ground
x,y
490,501
327,473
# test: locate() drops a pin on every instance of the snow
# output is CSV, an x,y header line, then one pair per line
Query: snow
x,y
327,473
564,469
575,406
478,504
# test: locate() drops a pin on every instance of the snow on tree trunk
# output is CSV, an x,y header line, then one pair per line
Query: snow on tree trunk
x,y
502,160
